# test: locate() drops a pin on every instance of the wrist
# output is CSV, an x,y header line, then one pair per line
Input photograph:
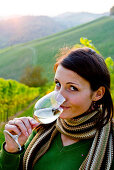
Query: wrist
x,y
10,149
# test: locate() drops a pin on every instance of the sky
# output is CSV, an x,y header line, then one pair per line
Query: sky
x,y
52,7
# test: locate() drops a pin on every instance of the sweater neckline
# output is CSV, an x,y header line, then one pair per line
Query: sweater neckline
x,y
70,147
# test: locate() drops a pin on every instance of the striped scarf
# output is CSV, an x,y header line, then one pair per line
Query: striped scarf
x,y
100,155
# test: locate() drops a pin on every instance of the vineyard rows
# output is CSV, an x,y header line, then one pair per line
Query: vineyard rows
x,y
14,96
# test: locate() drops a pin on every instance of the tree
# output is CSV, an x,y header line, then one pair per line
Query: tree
x,y
32,77
112,11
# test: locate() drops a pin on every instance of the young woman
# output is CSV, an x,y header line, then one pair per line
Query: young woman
x,y
82,137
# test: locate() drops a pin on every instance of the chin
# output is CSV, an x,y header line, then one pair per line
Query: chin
x,y
64,116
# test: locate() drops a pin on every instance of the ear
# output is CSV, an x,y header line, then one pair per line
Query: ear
x,y
98,94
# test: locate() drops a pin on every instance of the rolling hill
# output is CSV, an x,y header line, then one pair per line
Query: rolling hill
x,y
21,29
73,19
14,59
26,28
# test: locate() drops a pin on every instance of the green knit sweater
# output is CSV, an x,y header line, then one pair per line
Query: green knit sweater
x,y
58,157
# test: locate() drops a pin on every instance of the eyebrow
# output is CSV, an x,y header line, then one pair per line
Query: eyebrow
x,y
68,82
72,83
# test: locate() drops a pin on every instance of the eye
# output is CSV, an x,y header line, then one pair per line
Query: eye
x,y
72,88
58,85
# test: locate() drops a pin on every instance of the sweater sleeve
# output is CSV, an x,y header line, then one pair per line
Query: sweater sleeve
x,y
10,161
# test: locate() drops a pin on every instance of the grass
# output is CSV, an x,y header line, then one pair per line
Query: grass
x,y
41,52
1,135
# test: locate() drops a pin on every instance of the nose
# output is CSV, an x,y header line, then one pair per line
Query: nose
x,y
63,93
59,98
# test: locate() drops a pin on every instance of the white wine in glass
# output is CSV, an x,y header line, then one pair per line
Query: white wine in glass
x,y
47,109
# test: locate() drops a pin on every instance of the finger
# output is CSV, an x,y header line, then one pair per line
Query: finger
x,y
33,122
12,128
26,122
11,122
19,123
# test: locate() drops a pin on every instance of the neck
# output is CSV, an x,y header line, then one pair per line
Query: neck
x,y
66,140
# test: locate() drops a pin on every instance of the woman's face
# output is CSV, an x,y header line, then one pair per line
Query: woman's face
x,y
76,91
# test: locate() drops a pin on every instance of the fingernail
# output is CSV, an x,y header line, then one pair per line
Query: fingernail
x,y
26,134
34,121
30,131
19,134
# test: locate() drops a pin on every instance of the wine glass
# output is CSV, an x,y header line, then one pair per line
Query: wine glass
x,y
15,138
47,109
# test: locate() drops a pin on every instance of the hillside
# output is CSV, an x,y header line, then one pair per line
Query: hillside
x,y
21,29
26,28
14,59
72,19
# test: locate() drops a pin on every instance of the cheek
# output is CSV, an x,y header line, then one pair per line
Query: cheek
x,y
80,100
76,99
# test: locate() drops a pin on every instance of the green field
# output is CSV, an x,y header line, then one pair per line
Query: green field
x,y
41,52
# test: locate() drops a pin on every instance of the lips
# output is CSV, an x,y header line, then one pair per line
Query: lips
x,y
64,107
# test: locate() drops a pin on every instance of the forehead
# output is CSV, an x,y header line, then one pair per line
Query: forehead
x,y
65,75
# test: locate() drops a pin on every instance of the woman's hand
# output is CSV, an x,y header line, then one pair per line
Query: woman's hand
x,y
18,126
